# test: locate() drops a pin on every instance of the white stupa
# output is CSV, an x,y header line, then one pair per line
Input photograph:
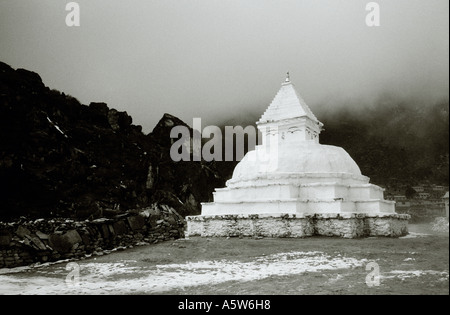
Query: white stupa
x,y
293,186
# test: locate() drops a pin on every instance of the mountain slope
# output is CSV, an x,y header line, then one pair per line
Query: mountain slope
x,y
61,158
394,141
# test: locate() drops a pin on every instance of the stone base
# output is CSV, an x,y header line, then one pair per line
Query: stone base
x,y
347,225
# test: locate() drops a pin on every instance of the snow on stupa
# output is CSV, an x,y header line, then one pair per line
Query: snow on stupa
x,y
293,186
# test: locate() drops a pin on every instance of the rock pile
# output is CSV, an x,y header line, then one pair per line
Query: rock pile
x,y
440,225
25,242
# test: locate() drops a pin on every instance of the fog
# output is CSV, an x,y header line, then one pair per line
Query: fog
x,y
224,61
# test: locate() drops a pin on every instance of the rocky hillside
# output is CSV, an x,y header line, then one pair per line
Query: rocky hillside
x,y
60,158
394,141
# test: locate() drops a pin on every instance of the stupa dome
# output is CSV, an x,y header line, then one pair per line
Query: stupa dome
x,y
308,158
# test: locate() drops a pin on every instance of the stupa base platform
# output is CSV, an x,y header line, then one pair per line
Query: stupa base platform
x,y
346,225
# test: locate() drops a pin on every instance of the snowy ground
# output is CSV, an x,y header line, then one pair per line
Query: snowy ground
x,y
128,275
230,266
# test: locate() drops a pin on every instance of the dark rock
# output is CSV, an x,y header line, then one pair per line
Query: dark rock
x,y
104,230
73,236
136,222
171,220
59,243
111,230
64,243
22,231
41,235
113,119
85,238
36,242
5,68
120,227
5,237
30,76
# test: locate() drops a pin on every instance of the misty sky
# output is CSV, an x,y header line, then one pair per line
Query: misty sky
x,y
225,59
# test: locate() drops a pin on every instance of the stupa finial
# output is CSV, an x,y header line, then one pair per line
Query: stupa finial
x,y
288,79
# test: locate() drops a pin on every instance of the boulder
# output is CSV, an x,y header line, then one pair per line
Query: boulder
x,y
113,119
73,236
172,220
22,231
105,231
85,238
120,227
41,235
5,237
64,243
36,242
136,222
111,230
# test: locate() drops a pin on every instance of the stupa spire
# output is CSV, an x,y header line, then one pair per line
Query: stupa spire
x,y
288,79
288,104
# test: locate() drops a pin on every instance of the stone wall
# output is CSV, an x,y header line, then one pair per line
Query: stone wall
x,y
26,242
347,225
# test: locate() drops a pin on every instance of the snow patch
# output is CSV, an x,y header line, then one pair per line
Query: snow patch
x,y
415,235
405,274
127,276
56,126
